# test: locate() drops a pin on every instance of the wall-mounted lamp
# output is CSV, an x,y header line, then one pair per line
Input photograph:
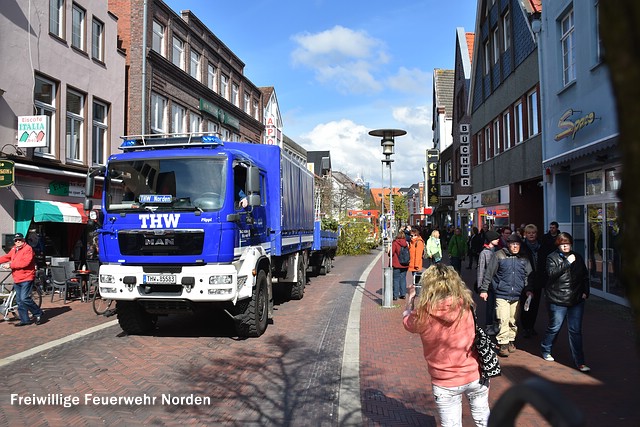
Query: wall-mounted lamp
x,y
19,152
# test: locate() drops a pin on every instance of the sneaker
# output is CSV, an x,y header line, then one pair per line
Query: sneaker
x,y
548,357
511,347
584,368
503,350
38,320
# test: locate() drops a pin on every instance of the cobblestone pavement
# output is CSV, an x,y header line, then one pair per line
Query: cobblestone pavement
x,y
395,385
289,376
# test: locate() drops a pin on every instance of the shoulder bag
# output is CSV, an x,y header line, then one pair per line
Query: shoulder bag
x,y
487,357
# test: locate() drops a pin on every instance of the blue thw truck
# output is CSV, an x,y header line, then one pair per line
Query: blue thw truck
x,y
189,222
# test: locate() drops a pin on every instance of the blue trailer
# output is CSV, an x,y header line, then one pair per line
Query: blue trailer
x,y
190,222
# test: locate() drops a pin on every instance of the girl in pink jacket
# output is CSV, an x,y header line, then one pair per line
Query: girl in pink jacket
x,y
443,318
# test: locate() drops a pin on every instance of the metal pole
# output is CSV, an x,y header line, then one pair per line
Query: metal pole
x,y
383,237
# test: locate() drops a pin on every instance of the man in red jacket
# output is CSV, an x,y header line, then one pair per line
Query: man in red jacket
x,y
21,261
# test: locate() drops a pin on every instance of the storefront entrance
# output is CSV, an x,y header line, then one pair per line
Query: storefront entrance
x,y
597,228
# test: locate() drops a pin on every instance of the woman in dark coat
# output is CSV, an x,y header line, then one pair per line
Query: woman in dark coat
x,y
566,291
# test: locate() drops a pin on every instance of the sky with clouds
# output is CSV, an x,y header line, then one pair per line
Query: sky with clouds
x,y
343,68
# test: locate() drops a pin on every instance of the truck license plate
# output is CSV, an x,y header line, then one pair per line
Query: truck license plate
x,y
157,279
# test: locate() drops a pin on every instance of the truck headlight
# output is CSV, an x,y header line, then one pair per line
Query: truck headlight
x,y
225,279
107,278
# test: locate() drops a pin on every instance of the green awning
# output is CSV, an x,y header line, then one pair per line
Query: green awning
x,y
47,211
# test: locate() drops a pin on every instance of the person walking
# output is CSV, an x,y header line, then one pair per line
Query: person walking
x,y
22,263
509,272
566,291
457,249
416,251
550,237
505,232
434,251
536,253
399,270
443,317
491,239
476,244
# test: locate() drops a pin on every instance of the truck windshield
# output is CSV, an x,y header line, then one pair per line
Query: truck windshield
x,y
165,184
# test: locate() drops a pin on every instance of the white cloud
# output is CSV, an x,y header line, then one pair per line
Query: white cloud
x,y
412,81
343,57
356,153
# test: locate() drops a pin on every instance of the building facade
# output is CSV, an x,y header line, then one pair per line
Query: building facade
x,y
62,110
461,131
504,105
582,164
188,80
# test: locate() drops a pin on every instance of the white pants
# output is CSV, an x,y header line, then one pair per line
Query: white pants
x,y
449,402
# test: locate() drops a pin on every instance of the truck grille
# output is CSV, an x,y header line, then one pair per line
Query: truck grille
x,y
161,242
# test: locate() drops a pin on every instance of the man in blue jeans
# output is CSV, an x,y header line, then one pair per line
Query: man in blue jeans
x,y
22,263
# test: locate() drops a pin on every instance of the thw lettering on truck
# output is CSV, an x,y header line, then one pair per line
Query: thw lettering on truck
x,y
159,220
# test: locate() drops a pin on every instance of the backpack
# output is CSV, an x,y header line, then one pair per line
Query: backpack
x,y
403,256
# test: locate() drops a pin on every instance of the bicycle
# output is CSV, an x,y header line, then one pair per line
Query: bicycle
x,y
102,306
9,306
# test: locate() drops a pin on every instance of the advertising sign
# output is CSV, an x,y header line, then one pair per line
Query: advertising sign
x,y
7,173
433,194
33,131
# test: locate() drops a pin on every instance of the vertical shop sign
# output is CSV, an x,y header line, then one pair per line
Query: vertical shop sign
x,y
433,195
465,156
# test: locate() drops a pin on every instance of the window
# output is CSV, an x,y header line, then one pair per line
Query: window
x,y
158,110
226,135
224,86
56,17
97,40
256,111
447,171
194,69
487,58
506,31
532,109
157,39
45,94
177,118
212,127
599,47
77,27
212,80
246,103
479,147
517,124
178,53
496,137
496,44
75,125
506,127
234,95
568,49
487,143
99,134
195,123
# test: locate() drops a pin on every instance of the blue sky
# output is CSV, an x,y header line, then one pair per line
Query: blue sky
x,y
343,68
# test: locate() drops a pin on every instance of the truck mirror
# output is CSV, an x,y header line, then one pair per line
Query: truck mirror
x,y
253,186
88,204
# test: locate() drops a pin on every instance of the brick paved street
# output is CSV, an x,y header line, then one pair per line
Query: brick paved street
x,y
291,375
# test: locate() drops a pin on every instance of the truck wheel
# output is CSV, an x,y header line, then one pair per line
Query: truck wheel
x,y
297,288
252,314
326,265
133,319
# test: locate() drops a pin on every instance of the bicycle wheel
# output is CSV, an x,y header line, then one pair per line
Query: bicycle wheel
x,y
101,305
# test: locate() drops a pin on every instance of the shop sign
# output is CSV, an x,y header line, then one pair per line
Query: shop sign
x,y
465,156
219,113
463,201
571,127
433,193
271,131
33,131
490,198
60,188
7,173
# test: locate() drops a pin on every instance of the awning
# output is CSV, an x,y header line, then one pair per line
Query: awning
x,y
47,211
606,145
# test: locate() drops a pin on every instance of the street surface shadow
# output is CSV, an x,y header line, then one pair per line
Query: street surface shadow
x,y
390,411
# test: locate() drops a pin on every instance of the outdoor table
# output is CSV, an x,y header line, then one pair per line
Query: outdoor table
x,y
84,277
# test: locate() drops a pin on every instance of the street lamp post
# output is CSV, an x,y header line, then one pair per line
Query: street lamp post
x,y
388,143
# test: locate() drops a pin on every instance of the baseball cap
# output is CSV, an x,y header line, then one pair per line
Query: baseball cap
x,y
18,236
